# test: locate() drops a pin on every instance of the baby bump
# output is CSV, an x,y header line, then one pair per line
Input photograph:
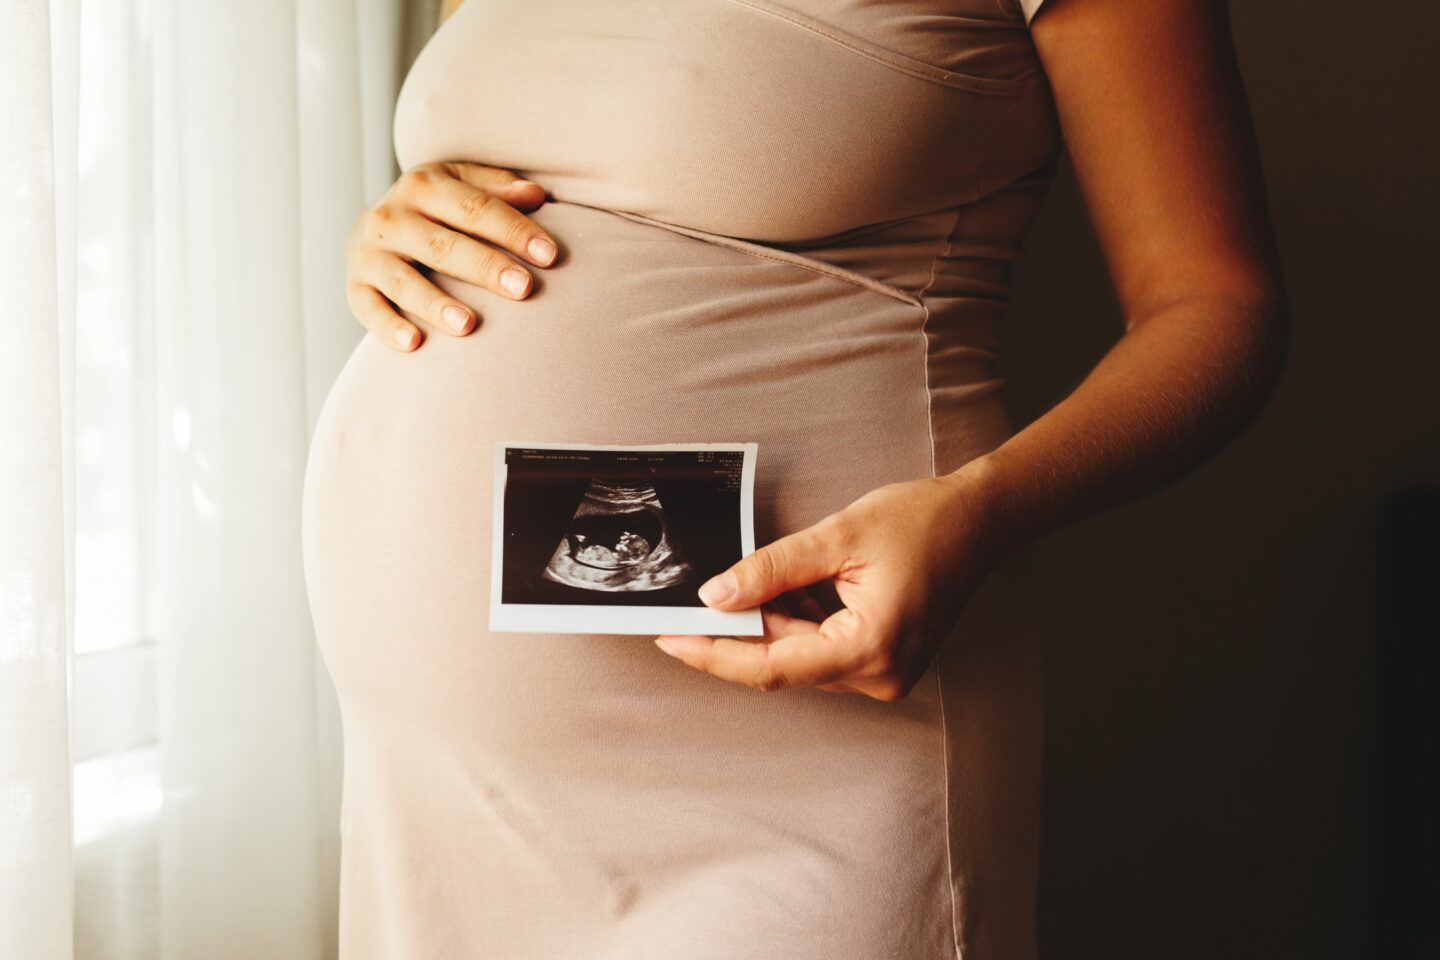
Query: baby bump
x,y
639,335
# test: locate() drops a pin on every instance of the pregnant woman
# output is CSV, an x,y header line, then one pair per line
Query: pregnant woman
x,y
790,223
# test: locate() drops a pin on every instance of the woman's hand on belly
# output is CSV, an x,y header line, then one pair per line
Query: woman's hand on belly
x,y
904,559
435,217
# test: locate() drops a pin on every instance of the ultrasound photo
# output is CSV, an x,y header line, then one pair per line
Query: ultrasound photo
x,y
617,539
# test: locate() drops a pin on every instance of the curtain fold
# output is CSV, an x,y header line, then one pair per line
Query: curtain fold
x,y
239,849
36,895
180,176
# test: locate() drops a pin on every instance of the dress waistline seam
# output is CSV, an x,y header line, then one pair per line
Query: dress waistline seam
x,y
770,253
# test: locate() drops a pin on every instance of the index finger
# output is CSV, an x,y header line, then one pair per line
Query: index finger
x,y
488,217
516,190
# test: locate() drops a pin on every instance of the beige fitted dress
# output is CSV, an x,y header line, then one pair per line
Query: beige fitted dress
x,y
789,223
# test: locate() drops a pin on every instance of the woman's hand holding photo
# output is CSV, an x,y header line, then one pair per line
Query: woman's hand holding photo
x,y
904,560
435,217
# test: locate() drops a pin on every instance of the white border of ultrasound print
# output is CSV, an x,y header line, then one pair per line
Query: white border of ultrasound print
x,y
638,619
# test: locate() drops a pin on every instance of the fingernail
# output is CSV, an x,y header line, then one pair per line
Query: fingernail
x,y
718,588
542,251
405,337
457,317
515,281
518,185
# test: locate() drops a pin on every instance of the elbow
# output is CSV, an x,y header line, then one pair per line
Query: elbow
x,y
1254,357
1237,333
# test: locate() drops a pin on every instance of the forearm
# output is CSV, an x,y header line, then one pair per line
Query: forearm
x,y
1180,384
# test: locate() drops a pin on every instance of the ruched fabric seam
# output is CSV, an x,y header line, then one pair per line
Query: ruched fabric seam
x,y
934,472
885,56
767,253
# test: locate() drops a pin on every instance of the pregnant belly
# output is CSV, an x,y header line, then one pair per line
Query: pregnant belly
x,y
641,335
545,756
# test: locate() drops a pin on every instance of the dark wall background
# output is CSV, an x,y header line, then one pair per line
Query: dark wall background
x,y
1213,733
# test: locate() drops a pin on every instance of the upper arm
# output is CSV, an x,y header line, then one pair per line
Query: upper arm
x,y
1155,120
448,7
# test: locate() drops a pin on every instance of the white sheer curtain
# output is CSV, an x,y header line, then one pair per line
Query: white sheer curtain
x,y
178,176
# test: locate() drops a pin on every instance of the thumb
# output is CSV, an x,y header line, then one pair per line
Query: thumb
x,y
793,561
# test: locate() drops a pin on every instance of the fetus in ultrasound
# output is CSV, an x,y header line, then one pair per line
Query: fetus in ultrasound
x,y
618,540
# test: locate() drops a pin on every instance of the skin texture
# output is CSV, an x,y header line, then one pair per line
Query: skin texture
x,y
1155,120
